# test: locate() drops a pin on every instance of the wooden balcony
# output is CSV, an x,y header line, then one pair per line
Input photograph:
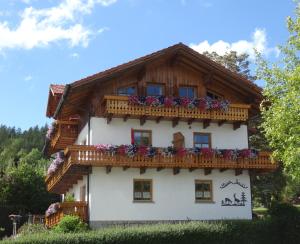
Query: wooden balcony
x,y
67,208
79,158
65,134
118,106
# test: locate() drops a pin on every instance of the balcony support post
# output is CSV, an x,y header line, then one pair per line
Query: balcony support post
x,y
108,169
143,170
125,167
236,125
206,123
143,120
158,119
238,172
191,169
220,123
207,171
159,168
175,122
222,170
190,121
176,171
109,118
126,117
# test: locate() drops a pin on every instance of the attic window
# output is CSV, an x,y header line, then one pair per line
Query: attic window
x,y
126,91
213,95
155,90
186,91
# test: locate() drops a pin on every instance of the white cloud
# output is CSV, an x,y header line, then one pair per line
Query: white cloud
x,y
40,27
258,41
28,78
75,55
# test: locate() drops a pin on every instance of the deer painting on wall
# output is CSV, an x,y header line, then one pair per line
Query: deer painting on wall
x,y
236,201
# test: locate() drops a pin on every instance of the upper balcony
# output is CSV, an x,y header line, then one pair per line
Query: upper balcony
x,y
121,107
78,158
64,133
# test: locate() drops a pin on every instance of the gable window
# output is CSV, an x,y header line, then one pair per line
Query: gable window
x,y
142,190
155,90
213,95
202,140
142,137
126,91
203,190
186,91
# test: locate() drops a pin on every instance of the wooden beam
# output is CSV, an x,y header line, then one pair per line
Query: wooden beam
x,y
236,125
143,170
222,169
141,73
159,168
143,120
192,169
108,169
221,122
174,59
190,121
158,119
238,172
175,122
206,123
126,116
125,167
109,118
176,171
207,171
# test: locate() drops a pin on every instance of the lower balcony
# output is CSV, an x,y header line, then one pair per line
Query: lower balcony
x,y
57,211
79,158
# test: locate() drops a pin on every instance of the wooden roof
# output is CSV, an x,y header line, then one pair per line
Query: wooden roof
x,y
55,93
77,92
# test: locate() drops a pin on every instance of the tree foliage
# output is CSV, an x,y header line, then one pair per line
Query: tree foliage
x,y
238,63
281,110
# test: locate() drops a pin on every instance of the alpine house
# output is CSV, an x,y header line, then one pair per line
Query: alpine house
x,y
160,138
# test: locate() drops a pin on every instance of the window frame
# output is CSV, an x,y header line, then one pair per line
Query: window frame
x,y
156,84
124,87
187,86
215,94
211,199
151,191
203,134
143,131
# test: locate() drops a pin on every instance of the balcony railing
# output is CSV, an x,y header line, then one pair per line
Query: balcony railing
x,y
78,156
119,106
67,208
65,134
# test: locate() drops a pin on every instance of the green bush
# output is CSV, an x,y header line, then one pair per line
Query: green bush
x,y
29,229
69,198
262,231
69,224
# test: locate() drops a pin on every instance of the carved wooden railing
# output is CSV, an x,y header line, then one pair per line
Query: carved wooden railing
x,y
65,133
67,208
78,156
119,105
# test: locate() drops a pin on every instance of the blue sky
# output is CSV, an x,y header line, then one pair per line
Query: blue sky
x,y
50,41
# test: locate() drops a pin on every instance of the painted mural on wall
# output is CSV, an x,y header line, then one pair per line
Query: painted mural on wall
x,y
236,199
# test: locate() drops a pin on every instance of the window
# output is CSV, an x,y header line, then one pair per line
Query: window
x,y
142,137
185,91
155,90
142,190
126,91
82,193
203,190
202,140
213,95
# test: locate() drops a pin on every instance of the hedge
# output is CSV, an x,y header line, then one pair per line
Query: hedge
x,y
233,232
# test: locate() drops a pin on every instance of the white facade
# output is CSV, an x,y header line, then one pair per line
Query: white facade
x,y
111,195
117,132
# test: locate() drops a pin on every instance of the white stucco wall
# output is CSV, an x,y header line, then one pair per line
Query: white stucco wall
x,y
173,196
119,132
76,188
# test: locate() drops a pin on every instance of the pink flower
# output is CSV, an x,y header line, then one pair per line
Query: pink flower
x,y
207,152
181,152
227,154
150,100
185,101
143,150
122,150
245,153
168,102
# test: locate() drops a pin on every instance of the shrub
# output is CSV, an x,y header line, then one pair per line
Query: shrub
x,y
29,229
286,219
70,223
69,198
